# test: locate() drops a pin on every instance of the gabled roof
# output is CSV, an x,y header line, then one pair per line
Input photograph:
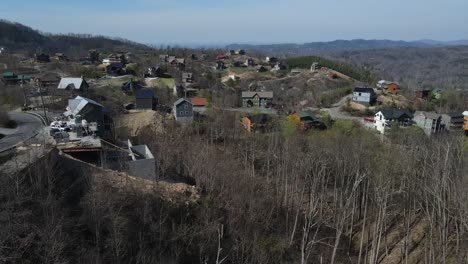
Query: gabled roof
x,y
260,94
71,83
181,100
144,94
363,90
199,101
392,113
77,104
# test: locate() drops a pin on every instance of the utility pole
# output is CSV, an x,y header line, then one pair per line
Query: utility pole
x,y
42,100
24,92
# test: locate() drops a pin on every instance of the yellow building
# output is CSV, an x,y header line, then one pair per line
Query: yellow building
x,y
465,125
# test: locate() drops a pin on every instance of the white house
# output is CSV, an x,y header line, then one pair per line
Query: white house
x,y
387,117
381,84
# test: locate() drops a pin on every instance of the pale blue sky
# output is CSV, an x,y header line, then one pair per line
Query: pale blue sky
x,y
242,21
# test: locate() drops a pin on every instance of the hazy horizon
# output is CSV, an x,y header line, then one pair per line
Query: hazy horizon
x,y
209,22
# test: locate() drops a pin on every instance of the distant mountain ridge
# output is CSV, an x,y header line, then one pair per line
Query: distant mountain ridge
x,y
15,36
343,45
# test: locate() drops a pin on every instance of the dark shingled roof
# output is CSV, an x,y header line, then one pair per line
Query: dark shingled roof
x,y
144,94
455,114
363,90
393,113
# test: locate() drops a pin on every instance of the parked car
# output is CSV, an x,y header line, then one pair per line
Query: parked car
x,y
369,119
60,126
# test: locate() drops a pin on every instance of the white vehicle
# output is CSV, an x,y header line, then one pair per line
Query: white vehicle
x,y
60,126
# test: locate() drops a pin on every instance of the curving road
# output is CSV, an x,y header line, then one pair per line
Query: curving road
x,y
28,127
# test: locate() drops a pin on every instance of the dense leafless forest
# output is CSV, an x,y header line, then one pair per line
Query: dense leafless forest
x,y
337,196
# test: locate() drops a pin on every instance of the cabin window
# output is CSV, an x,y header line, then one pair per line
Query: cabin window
x,y
181,113
186,112
359,94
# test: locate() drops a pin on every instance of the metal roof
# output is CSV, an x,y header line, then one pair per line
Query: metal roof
x,y
73,83
9,74
77,104
199,101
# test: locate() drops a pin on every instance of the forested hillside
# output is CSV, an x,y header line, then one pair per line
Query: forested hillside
x,y
443,67
17,37
337,196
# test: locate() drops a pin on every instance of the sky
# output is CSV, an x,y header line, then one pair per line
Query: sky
x,y
244,21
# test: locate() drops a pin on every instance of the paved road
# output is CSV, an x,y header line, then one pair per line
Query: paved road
x,y
251,110
335,113
28,127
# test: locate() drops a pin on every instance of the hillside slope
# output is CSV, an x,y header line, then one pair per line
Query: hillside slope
x,y
442,67
15,36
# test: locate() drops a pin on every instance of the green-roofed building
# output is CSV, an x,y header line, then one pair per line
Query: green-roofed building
x,y
8,74
307,117
9,78
12,78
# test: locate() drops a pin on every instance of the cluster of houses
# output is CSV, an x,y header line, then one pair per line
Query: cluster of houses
x,y
270,63
430,122
79,133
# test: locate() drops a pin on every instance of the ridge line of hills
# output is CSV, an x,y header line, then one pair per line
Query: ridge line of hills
x,y
344,45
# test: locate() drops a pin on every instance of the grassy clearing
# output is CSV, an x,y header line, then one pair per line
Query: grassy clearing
x,y
169,82
241,70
